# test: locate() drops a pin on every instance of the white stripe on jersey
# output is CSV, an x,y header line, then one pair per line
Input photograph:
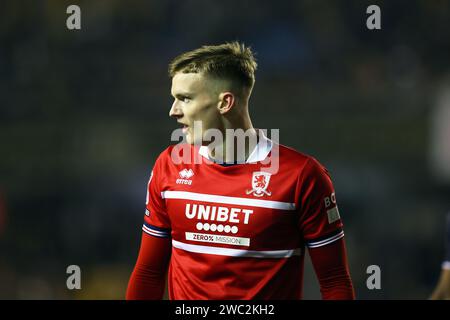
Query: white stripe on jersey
x,y
227,200
236,252
145,228
155,233
325,241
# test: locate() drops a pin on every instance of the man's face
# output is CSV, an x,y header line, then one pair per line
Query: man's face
x,y
196,99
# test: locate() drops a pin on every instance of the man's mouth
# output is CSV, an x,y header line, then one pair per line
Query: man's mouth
x,y
185,129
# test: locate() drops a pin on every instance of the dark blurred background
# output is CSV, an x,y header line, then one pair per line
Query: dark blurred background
x,y
84,113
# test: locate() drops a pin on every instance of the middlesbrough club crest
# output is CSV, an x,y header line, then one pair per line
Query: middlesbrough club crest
x,y
260,182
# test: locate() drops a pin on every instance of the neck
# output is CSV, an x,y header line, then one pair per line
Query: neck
x,y
239,140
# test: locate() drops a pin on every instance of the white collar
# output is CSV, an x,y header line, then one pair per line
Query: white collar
x,y
259,153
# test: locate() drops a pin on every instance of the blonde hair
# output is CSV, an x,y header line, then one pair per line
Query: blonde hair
x,y
232,61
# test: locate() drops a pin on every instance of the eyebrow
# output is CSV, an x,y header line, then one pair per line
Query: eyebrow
x,y
182,94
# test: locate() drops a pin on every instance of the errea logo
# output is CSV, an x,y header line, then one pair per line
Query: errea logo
x,y
185,176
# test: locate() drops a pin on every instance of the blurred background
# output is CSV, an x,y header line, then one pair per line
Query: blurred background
x,y
84,113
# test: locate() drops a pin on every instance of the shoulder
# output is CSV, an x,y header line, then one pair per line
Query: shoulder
x,y
305,162
312,178
307,169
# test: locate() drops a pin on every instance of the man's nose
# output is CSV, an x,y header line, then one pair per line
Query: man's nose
x,y
175,111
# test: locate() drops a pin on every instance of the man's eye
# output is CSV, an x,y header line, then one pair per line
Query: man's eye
x,y
185,99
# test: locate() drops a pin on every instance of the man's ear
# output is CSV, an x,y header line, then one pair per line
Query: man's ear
x,y
227,100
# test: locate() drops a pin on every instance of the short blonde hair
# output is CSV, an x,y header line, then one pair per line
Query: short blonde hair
x,y
232,61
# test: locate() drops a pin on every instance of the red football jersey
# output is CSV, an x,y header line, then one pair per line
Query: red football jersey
x,y
238,231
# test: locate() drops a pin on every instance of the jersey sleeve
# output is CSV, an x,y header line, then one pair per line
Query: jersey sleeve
x,y
148,277
156,219
319,219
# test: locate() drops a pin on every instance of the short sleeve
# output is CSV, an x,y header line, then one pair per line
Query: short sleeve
x,y
156,219
319,219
